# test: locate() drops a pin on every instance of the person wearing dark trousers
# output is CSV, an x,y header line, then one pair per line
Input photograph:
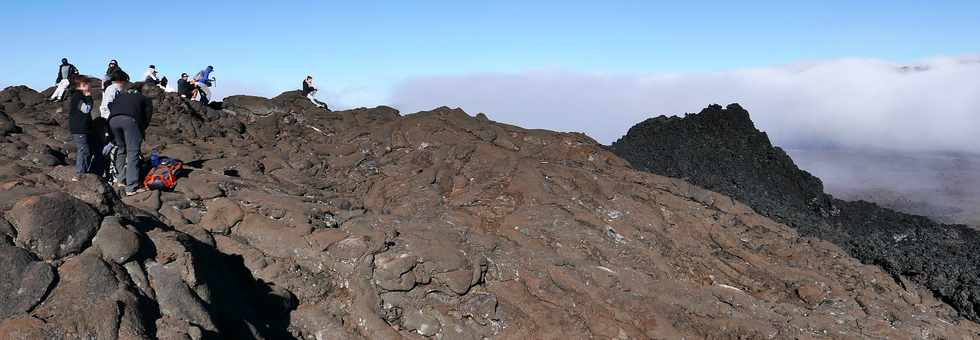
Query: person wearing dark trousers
x,y
184,87
80,124
202,80
130,116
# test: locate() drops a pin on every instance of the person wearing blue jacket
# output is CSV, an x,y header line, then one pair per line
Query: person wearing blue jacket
x,y
203,82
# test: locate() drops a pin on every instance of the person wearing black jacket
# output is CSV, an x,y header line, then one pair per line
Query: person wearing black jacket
x,y
113,71
184,87
130,115
80,125
66,72
309,91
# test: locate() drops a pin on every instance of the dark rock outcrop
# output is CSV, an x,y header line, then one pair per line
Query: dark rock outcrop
x,y
721,150
54,225
7,124
24,282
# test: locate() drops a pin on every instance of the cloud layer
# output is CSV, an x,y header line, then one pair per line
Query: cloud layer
x,y
930,105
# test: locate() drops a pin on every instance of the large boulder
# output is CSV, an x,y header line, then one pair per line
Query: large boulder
x,y
223,213
94,300
24,282
53,225
117,243
7,125
252,106
176,299
296,101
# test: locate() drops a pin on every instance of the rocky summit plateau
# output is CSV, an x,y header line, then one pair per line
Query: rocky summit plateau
x,y
293,222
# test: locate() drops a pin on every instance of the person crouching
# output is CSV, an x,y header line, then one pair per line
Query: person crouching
x,y
129,117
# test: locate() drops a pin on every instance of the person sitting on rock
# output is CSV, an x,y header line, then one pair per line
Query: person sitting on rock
x,y
116,80
112,69
150,76
184,87
66,72
131,113
310,92
80,125
203,83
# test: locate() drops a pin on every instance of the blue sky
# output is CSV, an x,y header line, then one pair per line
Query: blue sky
x,y
359,50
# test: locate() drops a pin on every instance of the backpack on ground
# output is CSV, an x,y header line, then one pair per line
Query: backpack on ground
x,y
164,175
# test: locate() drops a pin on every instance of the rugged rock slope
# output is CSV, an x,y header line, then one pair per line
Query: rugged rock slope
x,y
299,223
722,150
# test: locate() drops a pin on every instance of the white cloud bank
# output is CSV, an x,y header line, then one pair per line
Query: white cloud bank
x,y
930,105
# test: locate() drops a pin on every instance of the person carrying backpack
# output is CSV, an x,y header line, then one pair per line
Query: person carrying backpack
x,y
80,126
203,82
129,118
66,72
309,91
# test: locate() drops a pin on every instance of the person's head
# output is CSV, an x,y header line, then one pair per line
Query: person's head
x,y
64,61
153,67
309,78
82,84
210,68
113,63
183,76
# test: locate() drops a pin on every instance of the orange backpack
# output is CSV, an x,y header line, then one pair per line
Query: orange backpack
x,y
164,175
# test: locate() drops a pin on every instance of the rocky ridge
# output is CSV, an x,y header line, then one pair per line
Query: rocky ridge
x,y
298,223
720,149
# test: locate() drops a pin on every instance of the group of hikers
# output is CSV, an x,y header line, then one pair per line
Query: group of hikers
x,y
109,145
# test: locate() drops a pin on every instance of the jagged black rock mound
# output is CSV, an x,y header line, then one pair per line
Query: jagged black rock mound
x,y
721,150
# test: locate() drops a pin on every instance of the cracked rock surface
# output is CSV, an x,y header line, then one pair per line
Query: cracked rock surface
x,y
298,223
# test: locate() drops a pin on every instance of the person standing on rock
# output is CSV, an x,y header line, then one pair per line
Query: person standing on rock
x,y
203,82
117,80
310,92
66,72
80,124
129,118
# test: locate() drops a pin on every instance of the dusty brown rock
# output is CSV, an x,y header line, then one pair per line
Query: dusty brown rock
x,y
24,282
117,243
53,225
176,299
93,299
222,214
367,224
25,327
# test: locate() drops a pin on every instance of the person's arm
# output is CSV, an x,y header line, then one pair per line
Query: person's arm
x,y
73,70
74,103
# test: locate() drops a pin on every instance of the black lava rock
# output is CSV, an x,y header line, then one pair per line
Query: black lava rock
x,y
720,149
